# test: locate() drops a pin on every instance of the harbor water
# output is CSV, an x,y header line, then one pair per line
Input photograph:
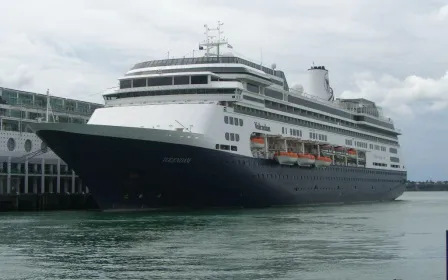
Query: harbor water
x,y
404,239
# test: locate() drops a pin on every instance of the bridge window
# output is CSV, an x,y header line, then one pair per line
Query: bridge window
x,y
253,88
181,80
160,81
273,93
125,83
195,80
139,83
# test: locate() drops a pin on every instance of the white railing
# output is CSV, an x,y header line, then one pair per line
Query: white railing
x,y
336,105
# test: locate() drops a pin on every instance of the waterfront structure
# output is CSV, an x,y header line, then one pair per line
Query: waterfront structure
x,y
218,130
27,165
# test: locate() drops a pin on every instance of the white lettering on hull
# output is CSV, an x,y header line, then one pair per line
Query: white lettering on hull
x,y
176,160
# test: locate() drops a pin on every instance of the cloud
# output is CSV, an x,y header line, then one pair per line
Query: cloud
x,y
442,13
406,97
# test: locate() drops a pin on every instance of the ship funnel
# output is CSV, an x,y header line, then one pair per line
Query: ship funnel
x,y
319,84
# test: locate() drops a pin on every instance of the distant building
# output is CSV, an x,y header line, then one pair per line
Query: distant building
x,y
26,164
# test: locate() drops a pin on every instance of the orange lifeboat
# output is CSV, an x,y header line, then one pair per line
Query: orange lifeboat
x,y
286,158
351,153
305,159
257,142
323,161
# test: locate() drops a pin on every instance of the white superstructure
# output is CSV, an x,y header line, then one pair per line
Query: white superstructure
x,y
220,101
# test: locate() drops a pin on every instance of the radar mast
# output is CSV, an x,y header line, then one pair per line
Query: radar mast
x,y
210,42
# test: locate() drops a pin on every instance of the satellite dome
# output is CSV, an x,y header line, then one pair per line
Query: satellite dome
x,y
298,88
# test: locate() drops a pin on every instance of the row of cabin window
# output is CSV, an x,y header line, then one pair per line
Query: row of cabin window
x,y
232,137
305,177
255,162
295,132
378,147
380,164
286,119
250,98
164,81
292,131
323,118
170,92
226,147
279,95
394,166
394,159
361,144
207,60
233,121
316,136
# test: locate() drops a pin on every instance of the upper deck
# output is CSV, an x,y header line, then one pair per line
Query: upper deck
x,y
230,78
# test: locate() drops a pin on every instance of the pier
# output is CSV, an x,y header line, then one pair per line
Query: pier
x,y
32,176
41,184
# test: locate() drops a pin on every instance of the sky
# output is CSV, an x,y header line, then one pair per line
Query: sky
x,y
391,52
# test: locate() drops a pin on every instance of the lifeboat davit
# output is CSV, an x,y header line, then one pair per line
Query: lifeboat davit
x,y
326,150
339,152
286,158
257,142
323,161
305,159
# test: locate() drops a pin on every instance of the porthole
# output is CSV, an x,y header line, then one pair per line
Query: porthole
x,y
227,136
237,137
11,144
241,122
28,145
226,119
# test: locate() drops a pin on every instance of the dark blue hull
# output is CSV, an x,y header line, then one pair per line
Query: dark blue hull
x,y
126,173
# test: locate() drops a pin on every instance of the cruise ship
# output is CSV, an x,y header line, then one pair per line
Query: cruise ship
x,y
218,130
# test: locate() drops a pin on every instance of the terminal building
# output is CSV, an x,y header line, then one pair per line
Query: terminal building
x,y
27,165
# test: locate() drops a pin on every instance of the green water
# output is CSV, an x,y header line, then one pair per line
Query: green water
x,y
403,239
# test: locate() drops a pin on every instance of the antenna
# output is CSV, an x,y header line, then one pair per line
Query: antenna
x,y
47,113
219,34
209,43
48,105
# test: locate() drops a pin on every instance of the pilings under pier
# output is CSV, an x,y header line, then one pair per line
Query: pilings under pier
x,y
41,184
